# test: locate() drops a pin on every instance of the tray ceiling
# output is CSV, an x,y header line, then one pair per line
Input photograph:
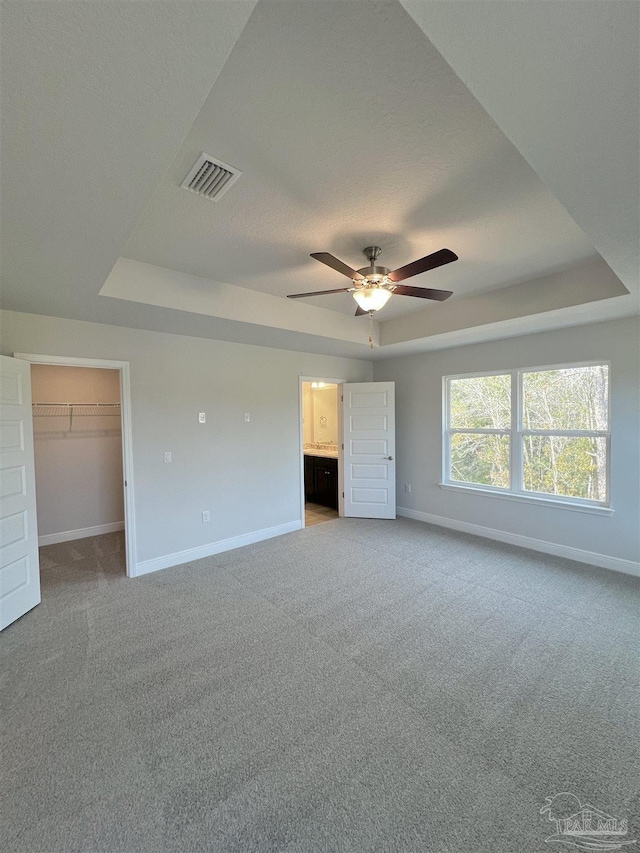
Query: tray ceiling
x,y
350,128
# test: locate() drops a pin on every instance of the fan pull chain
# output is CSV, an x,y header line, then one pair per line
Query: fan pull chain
x,y
371,329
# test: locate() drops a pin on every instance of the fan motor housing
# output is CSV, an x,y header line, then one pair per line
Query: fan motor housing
x,y
368,272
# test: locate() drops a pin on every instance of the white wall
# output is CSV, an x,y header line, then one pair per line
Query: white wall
x,y
78,469
320,414
307,414
418,381
246,474
325,415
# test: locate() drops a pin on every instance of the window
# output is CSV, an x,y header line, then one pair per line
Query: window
x,y
532,433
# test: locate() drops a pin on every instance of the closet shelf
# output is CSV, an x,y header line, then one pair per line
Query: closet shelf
x,y
53,410
75,410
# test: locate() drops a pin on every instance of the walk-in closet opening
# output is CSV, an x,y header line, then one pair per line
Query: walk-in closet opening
x,y
77,428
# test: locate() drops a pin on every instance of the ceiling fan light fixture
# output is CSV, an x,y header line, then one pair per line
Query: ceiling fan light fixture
x,y
373,285
371,298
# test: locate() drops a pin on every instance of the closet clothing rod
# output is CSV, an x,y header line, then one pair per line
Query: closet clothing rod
x,y
96,405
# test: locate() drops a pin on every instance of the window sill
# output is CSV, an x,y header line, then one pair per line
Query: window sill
x,y
529,499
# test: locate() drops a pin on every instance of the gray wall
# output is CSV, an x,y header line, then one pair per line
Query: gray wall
x,y
246,474
419,435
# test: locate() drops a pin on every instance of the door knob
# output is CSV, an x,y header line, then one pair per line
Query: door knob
x,y
388,457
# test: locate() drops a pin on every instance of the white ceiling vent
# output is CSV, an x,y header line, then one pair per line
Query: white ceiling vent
x,y
210,178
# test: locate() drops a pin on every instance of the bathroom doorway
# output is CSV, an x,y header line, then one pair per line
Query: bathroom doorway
x,y
321,450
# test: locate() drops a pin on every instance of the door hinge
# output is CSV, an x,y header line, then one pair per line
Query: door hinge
x,y
343,494
125,483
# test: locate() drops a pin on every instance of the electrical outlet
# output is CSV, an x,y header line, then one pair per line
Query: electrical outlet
x,y
206,516
167,456
247,417
407,488
202,418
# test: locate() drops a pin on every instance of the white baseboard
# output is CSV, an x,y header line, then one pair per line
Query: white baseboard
x,y
211,548
82,533
616,564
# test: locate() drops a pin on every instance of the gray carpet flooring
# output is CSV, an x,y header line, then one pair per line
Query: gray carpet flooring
x,y
355,686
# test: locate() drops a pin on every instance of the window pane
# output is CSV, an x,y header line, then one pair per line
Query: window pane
x,y
480,402
480,458
571,398
564,465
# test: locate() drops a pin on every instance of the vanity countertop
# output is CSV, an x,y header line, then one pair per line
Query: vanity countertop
x,y
323,452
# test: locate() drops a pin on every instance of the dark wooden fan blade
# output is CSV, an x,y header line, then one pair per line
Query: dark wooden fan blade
x,y
430,262
337,265
318,293
422,292
360,311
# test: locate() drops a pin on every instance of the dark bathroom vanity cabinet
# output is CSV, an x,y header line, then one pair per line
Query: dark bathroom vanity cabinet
x,y
321,480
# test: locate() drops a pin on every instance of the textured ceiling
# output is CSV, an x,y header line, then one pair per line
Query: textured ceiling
x,y
341,148
96,99
350,128
571,106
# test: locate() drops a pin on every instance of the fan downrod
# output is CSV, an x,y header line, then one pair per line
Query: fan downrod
x,y
372,253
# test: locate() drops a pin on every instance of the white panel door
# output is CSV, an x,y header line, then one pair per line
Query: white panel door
x,y
369,424
19,567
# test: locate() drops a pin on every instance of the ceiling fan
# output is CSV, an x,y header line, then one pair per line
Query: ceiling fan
x,y
373,285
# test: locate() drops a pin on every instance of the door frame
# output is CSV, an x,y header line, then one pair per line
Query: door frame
x,y
127,437
339,383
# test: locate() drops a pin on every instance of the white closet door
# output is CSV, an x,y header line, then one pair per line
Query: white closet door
x,y
19,566
369,423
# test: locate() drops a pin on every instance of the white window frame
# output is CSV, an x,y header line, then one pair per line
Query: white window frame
x,y
516,434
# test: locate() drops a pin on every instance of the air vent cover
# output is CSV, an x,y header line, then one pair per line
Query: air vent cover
x,y
210,178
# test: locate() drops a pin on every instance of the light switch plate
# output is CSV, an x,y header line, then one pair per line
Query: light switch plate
x,y
247,417
167,456
202,418
206,516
